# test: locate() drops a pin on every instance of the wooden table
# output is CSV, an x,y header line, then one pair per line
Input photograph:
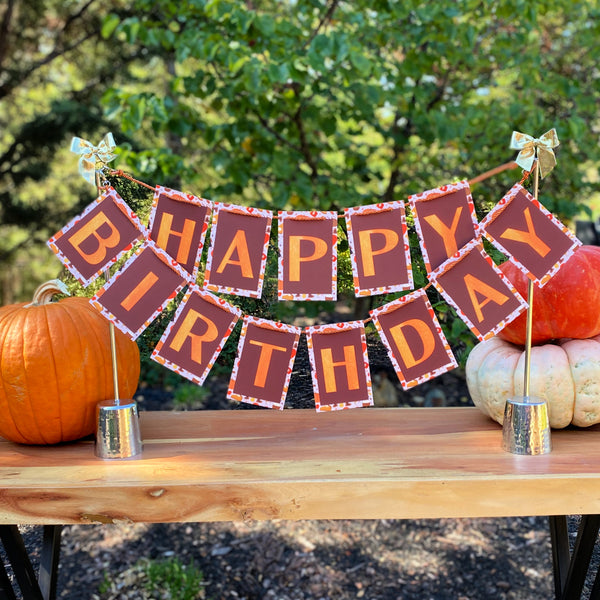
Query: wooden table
x,y
297,464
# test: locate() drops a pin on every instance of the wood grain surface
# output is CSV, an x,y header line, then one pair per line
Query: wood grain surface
x,y
299,464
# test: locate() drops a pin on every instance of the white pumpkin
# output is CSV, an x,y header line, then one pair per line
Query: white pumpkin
x,y
566,374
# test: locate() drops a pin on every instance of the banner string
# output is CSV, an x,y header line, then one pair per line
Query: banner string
x,y
120,173
482,177
526,175
499,169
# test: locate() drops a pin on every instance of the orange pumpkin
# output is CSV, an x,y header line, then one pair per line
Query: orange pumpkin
x,y
56,365
567,306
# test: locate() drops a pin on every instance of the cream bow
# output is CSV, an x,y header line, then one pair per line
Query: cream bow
x,y
91,154
530,146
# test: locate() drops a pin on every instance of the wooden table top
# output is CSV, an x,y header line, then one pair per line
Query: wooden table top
x,y
299,464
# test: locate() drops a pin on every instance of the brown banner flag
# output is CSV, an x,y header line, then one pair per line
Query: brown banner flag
x,y
237,255
178,225
141,290
445,221
414,339
339,366
378,239
263,366
482,296
307,255
196,334
98,237
532,237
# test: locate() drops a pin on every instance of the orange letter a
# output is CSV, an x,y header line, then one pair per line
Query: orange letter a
x,y
240,244
491,294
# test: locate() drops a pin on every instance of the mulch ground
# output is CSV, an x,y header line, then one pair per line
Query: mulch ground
x,y
448,559
387,560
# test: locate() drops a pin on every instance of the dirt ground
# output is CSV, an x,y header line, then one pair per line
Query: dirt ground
x,y
456,559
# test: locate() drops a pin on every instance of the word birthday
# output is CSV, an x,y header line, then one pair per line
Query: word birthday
x,y
165,259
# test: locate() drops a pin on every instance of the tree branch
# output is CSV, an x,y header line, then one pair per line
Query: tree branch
x,y
9,86
439,93
57,51
304,147
76,16
4,29
505,167
388,195
277,135
326,17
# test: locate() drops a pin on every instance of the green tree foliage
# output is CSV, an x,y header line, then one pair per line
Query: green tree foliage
x,y
54,65
325,104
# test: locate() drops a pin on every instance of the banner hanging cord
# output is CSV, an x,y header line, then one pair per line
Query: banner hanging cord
x,y
479,178
120,173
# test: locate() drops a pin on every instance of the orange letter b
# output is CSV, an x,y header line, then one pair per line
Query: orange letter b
x,y
90,230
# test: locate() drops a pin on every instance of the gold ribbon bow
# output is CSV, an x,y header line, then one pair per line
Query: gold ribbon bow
x,y
90,155
529,147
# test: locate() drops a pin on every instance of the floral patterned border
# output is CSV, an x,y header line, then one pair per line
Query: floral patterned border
x,y
472,245
194,289
443,190
248,211
501,206
304,214
168,261
187,199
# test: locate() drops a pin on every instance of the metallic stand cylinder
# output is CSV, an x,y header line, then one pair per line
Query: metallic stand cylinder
x,y
117,430
526,427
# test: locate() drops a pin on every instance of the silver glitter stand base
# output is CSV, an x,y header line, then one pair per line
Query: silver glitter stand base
x,y
117,430
526,426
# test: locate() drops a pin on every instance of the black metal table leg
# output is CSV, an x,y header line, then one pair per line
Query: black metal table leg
x,y
595,593
561,554
48,571
21,565
44,586
6,589
587,534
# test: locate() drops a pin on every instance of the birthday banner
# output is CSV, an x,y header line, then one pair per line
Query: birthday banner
x,y
165,259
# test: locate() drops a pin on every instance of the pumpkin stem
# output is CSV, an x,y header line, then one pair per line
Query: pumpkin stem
x,y
47,291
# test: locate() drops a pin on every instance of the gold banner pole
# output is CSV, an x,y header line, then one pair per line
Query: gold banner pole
x,y
529,329
526,425
117,425
111,325
113,353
